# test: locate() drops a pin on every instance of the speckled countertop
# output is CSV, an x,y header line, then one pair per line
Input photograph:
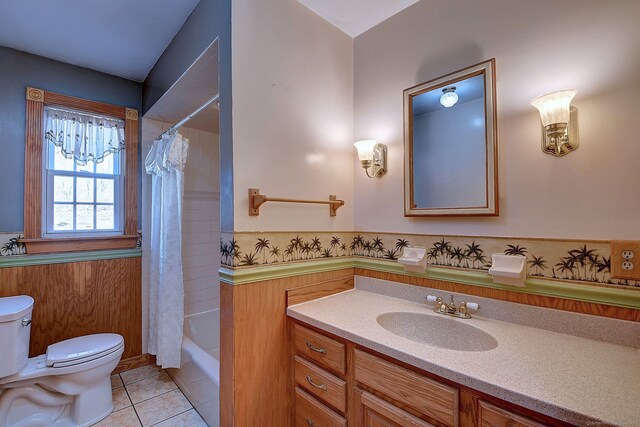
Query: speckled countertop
x,y
577,380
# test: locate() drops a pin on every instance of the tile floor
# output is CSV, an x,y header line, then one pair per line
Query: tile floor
x,y
147,396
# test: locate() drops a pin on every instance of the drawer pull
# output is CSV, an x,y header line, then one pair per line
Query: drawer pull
x,y
309,422
316,349
320,386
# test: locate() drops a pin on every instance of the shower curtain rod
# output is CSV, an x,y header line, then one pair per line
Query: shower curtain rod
x,y
175,127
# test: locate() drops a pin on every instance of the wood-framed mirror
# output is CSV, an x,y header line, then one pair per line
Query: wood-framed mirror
x,y
451,144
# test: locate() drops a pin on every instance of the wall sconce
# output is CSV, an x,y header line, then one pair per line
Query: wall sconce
x,y
560,122
373,156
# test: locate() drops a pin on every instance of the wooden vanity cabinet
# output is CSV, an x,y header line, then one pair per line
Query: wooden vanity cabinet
x,y
338,383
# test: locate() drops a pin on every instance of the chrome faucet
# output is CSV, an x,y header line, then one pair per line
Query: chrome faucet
x,y
451,309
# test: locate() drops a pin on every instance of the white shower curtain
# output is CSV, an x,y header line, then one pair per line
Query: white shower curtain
x,y
165,162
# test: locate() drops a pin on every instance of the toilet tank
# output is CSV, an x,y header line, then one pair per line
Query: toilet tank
x,y
15,327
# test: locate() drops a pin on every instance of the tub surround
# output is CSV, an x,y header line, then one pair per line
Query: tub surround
x,y
532,364
199,374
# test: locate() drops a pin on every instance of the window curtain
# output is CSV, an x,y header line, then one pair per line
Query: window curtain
x,y
165,162
83,137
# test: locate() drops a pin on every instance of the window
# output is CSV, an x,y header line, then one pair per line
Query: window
x,y
81,170
82,199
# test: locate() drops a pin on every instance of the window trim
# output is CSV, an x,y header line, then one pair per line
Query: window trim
x,y
36,239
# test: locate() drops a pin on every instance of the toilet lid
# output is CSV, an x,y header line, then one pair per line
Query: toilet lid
x,y
82,349
12,308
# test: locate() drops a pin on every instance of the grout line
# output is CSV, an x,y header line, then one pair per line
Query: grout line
x,y
141,379
161,394
132,405
176,416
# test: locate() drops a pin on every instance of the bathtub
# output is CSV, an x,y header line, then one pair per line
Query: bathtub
x,y
199,374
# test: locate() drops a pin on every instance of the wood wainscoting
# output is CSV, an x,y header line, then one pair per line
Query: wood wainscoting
x,y
80,298
255,365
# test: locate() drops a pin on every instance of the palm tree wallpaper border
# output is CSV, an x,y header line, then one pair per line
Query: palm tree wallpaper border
x,y
10,244
553,259
585,262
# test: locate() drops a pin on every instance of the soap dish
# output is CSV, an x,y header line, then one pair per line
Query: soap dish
x,y
508,269
414,259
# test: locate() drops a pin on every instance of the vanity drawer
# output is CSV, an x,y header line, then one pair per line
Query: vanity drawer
x,y
326,351
492,416
321,383
311,413
432,398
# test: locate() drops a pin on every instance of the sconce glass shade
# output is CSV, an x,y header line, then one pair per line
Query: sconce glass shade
x,y
449,97
373,157
554,107
365,149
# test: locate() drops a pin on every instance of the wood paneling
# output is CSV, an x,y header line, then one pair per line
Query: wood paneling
x,y
33,169
517,297
255,365
318,290
81,298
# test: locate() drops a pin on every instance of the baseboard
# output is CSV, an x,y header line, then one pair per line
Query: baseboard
x,y
135,362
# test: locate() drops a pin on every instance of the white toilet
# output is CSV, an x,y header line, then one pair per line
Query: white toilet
x,y
70,385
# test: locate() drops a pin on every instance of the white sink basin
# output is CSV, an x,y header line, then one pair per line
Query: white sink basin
x,y
437,331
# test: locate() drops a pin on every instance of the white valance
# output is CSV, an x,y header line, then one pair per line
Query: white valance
x,y
83,137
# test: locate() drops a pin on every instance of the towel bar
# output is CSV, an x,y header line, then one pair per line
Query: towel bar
x,y
256,200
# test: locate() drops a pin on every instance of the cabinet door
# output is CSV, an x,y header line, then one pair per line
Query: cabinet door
x,y
375,412
427,396
492,416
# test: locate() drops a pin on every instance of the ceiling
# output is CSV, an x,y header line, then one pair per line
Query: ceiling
x,y
120,37
467,90
197,85
354,17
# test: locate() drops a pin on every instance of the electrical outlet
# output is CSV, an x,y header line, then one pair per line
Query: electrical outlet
x,y
625,259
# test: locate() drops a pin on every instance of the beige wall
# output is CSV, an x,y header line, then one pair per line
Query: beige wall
x,y
292,115
540,46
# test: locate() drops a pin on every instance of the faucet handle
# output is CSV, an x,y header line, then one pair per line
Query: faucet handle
x,y
466,306
473,305
437,300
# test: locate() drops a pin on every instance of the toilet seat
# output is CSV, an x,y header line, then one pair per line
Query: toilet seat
x,y
83,349
68,362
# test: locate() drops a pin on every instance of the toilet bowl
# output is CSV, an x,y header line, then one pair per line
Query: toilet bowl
x,y
70,385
